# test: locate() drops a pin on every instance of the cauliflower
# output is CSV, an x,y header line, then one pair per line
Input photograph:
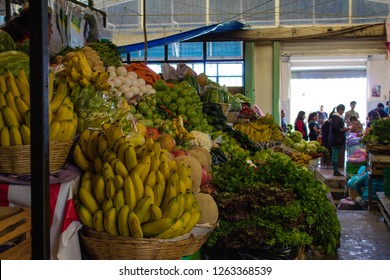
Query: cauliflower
x,y
201,140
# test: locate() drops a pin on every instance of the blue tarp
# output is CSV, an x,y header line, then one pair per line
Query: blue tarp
x,y
187,35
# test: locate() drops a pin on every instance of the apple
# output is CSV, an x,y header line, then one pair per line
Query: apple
x,y
205,176
180,152
167,142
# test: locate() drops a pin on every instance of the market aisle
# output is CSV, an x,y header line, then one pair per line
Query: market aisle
x,y
364,236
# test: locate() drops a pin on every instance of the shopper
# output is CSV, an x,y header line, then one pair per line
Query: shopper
x,y
356,126
376,114
337,136
300,125
283,123
326,157
322,116
314,126
351,113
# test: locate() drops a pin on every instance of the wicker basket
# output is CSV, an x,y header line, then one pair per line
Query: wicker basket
x,y
199,235
16,159
103,246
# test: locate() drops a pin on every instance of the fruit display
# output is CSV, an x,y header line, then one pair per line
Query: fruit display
x,y
229,145
300,159
133,189
263,129
143,72
78,71
90,54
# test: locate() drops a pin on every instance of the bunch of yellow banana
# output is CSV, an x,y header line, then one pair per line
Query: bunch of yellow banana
x,y
260,132
130,190
179,131
300,159
78,71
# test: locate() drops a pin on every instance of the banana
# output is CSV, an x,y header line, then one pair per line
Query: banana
x,y
121,151
155,213
149,192
182,170
188,183
102,145
155,163
186,218
84,215
107,204
103,77
80,159
63,131
121,169
11,84
61,114
143,168
189,200
2,122
172,231
130,158
119,200
157,148
158,191
174,180
151,179
109,155
149,144
123,221
99,188
110,188
182,204
98,163
26,134
21,105
92,145
98,224
5,139
138,186
142,207
170,192
88,200
83,140
130,197
154,228
171,209
195,215
95,76
108,173
164,168
9,98
2,99
160,178
110,224
23,86
3,84
117,143
135,226
54,130
86,183
172,165
114,132
70,131
15,136
75,74
118,181
61,93
84,82
182,187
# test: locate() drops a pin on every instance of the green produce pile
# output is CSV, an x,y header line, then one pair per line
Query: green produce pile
x,y
272,203
295,141
108,53
379,132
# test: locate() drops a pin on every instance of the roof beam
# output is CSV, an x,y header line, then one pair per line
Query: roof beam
x,y
299,33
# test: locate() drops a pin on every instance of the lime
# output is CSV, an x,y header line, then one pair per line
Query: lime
x,y
181,110
188,100
174,96
172,107
143,107
180,101
166,100
194,121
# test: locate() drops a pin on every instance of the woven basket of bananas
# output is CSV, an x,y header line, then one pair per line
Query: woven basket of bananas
x,y
16,159
104,246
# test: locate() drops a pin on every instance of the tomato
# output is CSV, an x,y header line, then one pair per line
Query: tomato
x,y
152,133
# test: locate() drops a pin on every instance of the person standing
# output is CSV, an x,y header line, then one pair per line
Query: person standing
x,y
314,126
300,125
337,136
351,113
322,115
283,123
325,130
387,108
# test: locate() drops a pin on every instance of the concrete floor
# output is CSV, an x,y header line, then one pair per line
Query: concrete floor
x,y
364,236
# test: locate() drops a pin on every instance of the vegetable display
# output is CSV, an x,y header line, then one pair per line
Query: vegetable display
x,y
259,207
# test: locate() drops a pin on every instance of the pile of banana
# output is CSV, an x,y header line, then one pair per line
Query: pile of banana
x,y
62,117
300,159
259,131
78,71
132,189
15,109
179,131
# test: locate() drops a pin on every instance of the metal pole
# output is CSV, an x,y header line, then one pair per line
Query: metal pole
x,y
39,64
8,15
